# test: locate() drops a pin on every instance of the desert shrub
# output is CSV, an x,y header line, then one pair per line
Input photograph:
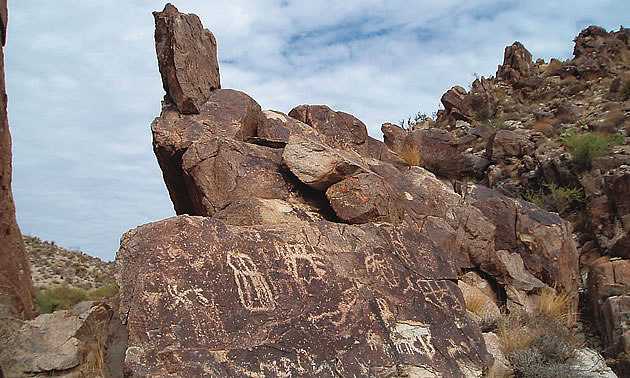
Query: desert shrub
x,y
412,121
541,344
410,154
553,197
64,296
104,291
61,297
584,148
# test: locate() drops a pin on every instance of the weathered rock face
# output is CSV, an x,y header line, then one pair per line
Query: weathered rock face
x,y
542,239
609,288
341,130
16,288
188,78
322,299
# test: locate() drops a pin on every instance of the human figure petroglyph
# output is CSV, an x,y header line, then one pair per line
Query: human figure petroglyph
x,y
253,289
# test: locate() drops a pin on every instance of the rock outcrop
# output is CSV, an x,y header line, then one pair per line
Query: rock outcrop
x,y
528,121
304,247
16,288
188,78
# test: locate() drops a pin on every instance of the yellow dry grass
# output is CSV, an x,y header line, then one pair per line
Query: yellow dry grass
x,y
411,155
476,302
515,339
555,305
94,362
542,126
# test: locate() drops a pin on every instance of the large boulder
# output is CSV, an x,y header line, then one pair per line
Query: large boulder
x,y
188,78
318,164
200,297
16,287
220,171
341,130
227,113
68,343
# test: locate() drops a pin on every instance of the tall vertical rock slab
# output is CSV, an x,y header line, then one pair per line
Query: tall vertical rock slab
x,y
187,58
16,287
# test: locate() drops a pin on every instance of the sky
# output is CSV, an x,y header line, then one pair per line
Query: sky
x,y
84,85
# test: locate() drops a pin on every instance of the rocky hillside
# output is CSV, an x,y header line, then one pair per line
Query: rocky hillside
x,y
556,134
52,265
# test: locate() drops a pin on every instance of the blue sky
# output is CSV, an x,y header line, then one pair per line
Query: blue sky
x,y
84,86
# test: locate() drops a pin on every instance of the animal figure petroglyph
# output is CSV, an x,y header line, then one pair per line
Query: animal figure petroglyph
x,y
253,289
294,255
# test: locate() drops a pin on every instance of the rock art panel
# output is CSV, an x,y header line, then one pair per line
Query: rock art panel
x,y
320,299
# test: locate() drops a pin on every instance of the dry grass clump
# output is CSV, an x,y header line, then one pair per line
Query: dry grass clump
x,y
94,362
476,302
554,305
514,333
411,155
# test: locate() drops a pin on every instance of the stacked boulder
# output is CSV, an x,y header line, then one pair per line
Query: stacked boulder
x,y
304,247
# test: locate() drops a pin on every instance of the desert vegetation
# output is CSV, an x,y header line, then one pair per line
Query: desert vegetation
x,y
64,296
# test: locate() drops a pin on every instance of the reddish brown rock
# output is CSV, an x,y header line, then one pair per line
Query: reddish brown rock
x,y
276,127
542,239
341,130
324,299
517,63
441,153
508,144
452,99
16,288
393,136
220,171
609,291
366,197
227,113
188,78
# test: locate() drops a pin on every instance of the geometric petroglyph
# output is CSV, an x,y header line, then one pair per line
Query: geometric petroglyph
x,y
253,290
294,255
410,338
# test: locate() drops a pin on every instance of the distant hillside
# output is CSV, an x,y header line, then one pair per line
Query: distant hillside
x,y
52,265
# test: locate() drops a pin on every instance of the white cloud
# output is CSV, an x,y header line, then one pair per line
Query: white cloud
x,y
84,87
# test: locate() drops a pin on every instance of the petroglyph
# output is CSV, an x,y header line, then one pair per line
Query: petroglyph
x,y
377,267
182,296
438,294
410,338
301,258
253,289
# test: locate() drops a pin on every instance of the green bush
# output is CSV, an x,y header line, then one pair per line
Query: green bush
x,y
104,291
554,198
584,148
61,297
